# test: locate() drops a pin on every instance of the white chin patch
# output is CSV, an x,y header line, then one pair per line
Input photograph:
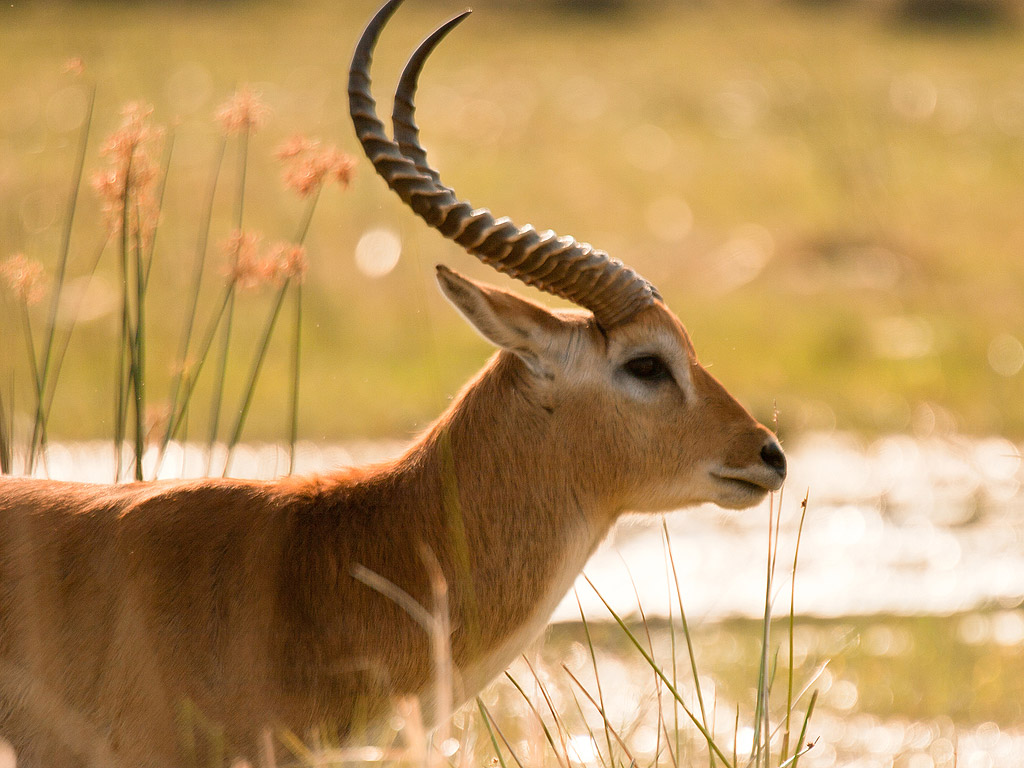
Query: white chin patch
x,y
736,493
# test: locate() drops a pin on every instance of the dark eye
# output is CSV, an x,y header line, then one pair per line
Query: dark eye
x,y
648,368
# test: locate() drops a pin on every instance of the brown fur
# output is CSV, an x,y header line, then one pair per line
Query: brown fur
x,y
137,618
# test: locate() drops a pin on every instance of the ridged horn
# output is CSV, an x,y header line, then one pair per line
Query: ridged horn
x,y
558,265
403,116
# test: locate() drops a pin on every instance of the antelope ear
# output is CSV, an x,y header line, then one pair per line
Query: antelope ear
x,y
506,320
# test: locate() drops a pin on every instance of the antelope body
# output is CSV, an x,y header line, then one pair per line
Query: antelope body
x,y
137,619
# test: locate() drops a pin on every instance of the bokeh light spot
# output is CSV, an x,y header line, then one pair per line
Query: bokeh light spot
x,y
377,252
1006,355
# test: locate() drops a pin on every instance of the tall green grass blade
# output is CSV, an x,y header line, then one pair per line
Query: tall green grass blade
x,y
556,718
222,366
668,683
139,347
59,356
296,362
735,737
30,349
243,168
191,372
673,645
597,674
673,648
795,760
218,385
293,426
691,653
792,623
672,754
125,359
120,405
761,747
540,720
38,439
604,718
6,444
492,728
307,216
183,375
650,645
161,188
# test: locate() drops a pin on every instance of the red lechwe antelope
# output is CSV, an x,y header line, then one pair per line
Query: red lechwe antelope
x,y
250,605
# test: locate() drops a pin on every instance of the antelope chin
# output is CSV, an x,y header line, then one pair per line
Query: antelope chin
x,y
739,488
737,494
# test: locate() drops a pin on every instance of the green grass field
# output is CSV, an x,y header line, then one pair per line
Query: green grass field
x,y
831,201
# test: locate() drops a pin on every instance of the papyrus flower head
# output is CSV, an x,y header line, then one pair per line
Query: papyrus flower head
x,y
242,264
130,172
244,112
73,66
25,277
286,261
308,165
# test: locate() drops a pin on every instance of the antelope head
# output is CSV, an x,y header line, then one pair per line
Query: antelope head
x,y
624,396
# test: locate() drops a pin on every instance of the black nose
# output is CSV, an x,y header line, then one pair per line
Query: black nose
x,y
773,456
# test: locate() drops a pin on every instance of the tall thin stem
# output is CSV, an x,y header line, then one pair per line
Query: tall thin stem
x,y
243,163
250,388
124,367
218,386
183,376
6,457
38,441
58,359
30,348
191,373
139,348
165,166
293,432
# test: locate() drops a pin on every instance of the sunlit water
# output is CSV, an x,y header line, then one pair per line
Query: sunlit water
x,y
895,526
909,585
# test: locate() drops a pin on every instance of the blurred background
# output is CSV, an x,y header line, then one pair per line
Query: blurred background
x,y
828,193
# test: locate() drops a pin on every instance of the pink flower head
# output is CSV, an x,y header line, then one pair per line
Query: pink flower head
x,y
342,167
307,165
241,252
25,277
135,132
293,147
73,66
288,262
130,172
244,112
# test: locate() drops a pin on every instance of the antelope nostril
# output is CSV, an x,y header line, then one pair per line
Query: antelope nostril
x,y
773,456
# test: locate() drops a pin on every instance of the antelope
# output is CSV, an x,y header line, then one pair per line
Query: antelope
x,y
129,612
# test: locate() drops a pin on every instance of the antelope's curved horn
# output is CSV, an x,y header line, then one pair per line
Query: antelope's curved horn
x,y
403,116
558,265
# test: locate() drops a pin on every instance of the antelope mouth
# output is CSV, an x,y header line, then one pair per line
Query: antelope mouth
x,y
741,484
744,487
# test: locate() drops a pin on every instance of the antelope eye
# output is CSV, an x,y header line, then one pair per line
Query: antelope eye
x,y
648,368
